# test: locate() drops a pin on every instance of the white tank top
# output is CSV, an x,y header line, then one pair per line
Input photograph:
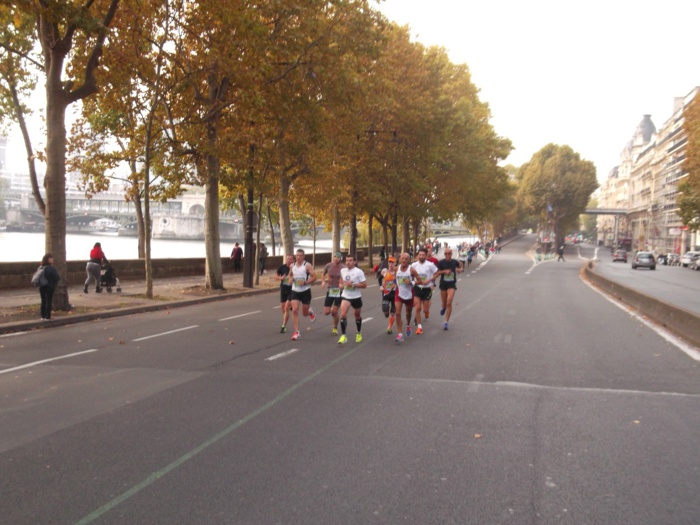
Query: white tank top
x,y
404,286
299,276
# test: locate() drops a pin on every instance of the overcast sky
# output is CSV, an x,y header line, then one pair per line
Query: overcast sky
x,y
567,72
576,73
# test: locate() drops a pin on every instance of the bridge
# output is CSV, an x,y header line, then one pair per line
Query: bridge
x,y
605,211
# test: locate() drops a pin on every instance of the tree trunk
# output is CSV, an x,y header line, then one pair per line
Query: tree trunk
x,y
370,240
212,247
55,184
336,230
285,220
272,227
140,226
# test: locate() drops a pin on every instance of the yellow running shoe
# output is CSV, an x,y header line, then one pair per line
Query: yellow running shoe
x,y
343,339
358,338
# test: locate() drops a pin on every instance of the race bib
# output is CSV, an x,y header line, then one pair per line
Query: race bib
x,y
390,286
334,292
449,277
404,280
300,281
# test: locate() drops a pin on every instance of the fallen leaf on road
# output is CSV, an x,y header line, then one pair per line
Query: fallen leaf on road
x,y
477,436
232,342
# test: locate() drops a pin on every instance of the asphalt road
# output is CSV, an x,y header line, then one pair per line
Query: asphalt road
x,y
544,403
672,284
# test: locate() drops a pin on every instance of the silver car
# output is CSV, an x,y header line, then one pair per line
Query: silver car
x,y
688,258
644,260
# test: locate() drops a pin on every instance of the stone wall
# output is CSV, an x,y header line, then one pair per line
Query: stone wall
x,y
19,274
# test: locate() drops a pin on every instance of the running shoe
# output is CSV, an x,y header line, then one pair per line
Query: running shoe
x,y
312,315
419,330
358,338
334,331
444,327
408,331
389,330
296,336
427,315
283,329
399,338
343,339
442,311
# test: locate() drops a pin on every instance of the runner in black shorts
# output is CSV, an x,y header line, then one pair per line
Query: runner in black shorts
x,y
285,291
330,281
448,269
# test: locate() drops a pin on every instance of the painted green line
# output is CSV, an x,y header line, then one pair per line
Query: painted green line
x,y
206,444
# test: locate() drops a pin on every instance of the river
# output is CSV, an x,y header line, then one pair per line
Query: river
x,y
25,247
29,247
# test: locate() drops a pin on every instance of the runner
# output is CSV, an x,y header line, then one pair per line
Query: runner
x,y
389,293
405,274
448,269
285,290
352,279
423,292
302,275
330,281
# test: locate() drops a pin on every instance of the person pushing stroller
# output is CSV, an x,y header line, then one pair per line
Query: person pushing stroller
x,y
94,267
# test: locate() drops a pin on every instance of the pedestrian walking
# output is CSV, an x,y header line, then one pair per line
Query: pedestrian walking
x,y
236,257
262,257
560,252
47,290
94,267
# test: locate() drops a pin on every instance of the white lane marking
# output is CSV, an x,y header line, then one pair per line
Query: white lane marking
x,y
474,385
13,334
43,361
367,320
283,354
165,333
240,315
684,347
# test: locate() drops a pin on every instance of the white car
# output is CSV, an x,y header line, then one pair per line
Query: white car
x,y
688,257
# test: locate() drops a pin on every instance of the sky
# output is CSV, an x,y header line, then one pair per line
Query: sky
x,y
572,73
557,71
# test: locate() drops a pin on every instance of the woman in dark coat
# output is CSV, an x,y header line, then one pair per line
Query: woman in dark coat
x,y
46,291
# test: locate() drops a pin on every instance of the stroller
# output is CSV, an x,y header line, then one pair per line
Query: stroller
x,y
108,279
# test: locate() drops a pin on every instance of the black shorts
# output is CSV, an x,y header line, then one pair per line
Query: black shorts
x,y
303,297
388,304
448,285
285,294
332,301
355,303
424,294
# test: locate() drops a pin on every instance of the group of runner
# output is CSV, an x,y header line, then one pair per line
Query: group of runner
x,y
405,288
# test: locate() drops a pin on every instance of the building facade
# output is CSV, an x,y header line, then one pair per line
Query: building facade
x,y
646,185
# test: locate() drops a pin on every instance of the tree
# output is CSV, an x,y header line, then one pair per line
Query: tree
x,y
556,185
19,65
689,199
58,26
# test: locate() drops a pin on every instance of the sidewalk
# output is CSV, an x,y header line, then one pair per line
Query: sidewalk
x,y
19,308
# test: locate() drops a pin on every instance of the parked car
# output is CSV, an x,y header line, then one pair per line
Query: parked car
x,y
688,258
695,263
620,255
644,260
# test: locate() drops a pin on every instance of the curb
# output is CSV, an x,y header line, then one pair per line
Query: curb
x,y
23,326
681,322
